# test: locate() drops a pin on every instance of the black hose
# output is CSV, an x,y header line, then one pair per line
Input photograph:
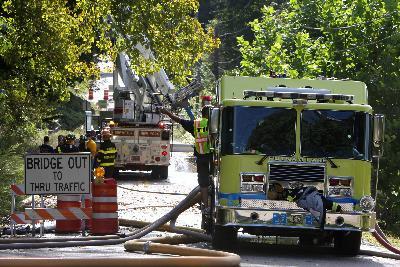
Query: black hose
x,y
182,206
146,207
153,192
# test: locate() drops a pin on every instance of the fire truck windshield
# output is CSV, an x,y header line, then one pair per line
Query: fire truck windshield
x,y
258,130
336,134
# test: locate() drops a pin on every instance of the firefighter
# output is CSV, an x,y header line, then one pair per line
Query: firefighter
x,y
106,155
60,140
199,130
69,145
45,147
82,144
310,199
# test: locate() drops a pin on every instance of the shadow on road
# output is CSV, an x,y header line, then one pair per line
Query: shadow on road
x,y
134,175
254,254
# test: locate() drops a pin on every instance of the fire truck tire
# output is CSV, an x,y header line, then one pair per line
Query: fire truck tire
x,y
207,219
224,237
159,173
116,174
347,243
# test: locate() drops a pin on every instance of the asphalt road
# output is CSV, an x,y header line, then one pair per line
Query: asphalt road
x,y
136,204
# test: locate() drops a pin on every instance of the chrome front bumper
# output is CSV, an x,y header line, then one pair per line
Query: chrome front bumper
x,y
293,219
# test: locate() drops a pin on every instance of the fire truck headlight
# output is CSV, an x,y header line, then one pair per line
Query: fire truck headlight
x,y
252,182
334,191
367,203
258,187
246,187
346,192
252,188
340,186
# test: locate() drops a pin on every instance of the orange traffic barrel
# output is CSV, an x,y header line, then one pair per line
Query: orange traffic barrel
x,y
88,204
105,207
68,226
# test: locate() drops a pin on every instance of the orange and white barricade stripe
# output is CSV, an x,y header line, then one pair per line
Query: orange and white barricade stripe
x,y
65,202
18,189
72,213
68,214
19,218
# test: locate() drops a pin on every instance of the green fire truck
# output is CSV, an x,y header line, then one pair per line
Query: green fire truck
x,y
276,134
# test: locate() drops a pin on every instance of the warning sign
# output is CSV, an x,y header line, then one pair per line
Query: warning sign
x,y
48,174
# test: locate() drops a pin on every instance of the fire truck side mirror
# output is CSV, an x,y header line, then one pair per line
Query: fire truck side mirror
x,y
379,135
214,121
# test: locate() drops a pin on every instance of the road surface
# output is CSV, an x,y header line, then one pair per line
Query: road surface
x,y
148,206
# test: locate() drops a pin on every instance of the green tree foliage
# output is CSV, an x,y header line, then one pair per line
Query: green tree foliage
x,y
169,28
230,19
332,38
343,39
11,171
47,46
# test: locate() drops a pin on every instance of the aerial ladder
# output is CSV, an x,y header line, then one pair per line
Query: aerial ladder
x,y
143,136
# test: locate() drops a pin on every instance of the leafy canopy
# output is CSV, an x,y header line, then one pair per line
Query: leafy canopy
x,y
48,47
334,38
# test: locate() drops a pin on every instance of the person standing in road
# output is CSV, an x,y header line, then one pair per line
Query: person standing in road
x,y
60,140
199,130
69,145
82,144
106,155
91,144
45,147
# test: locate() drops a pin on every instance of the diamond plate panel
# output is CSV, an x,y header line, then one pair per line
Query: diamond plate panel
x,y
269,204
347,206
282,205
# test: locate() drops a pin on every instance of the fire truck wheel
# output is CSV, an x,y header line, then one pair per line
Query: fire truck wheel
x,y
159,172
116,174
207,217
224,237
347,243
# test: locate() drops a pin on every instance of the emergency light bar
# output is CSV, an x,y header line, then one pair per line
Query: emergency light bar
x,y
305,93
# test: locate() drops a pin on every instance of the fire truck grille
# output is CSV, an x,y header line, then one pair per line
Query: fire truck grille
x,y
296,172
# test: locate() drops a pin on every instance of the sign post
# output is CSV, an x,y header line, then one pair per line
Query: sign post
x,y
56,174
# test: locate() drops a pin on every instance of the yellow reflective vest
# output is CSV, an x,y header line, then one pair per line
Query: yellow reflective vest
x,y
200,130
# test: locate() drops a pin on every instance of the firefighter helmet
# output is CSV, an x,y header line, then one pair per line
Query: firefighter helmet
x,y
70,137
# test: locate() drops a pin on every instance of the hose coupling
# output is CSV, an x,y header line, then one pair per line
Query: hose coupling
x,y
146,247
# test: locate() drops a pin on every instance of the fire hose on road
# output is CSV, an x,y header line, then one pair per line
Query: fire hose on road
x,y
132,243
160,245
192,198
381,238
192,257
